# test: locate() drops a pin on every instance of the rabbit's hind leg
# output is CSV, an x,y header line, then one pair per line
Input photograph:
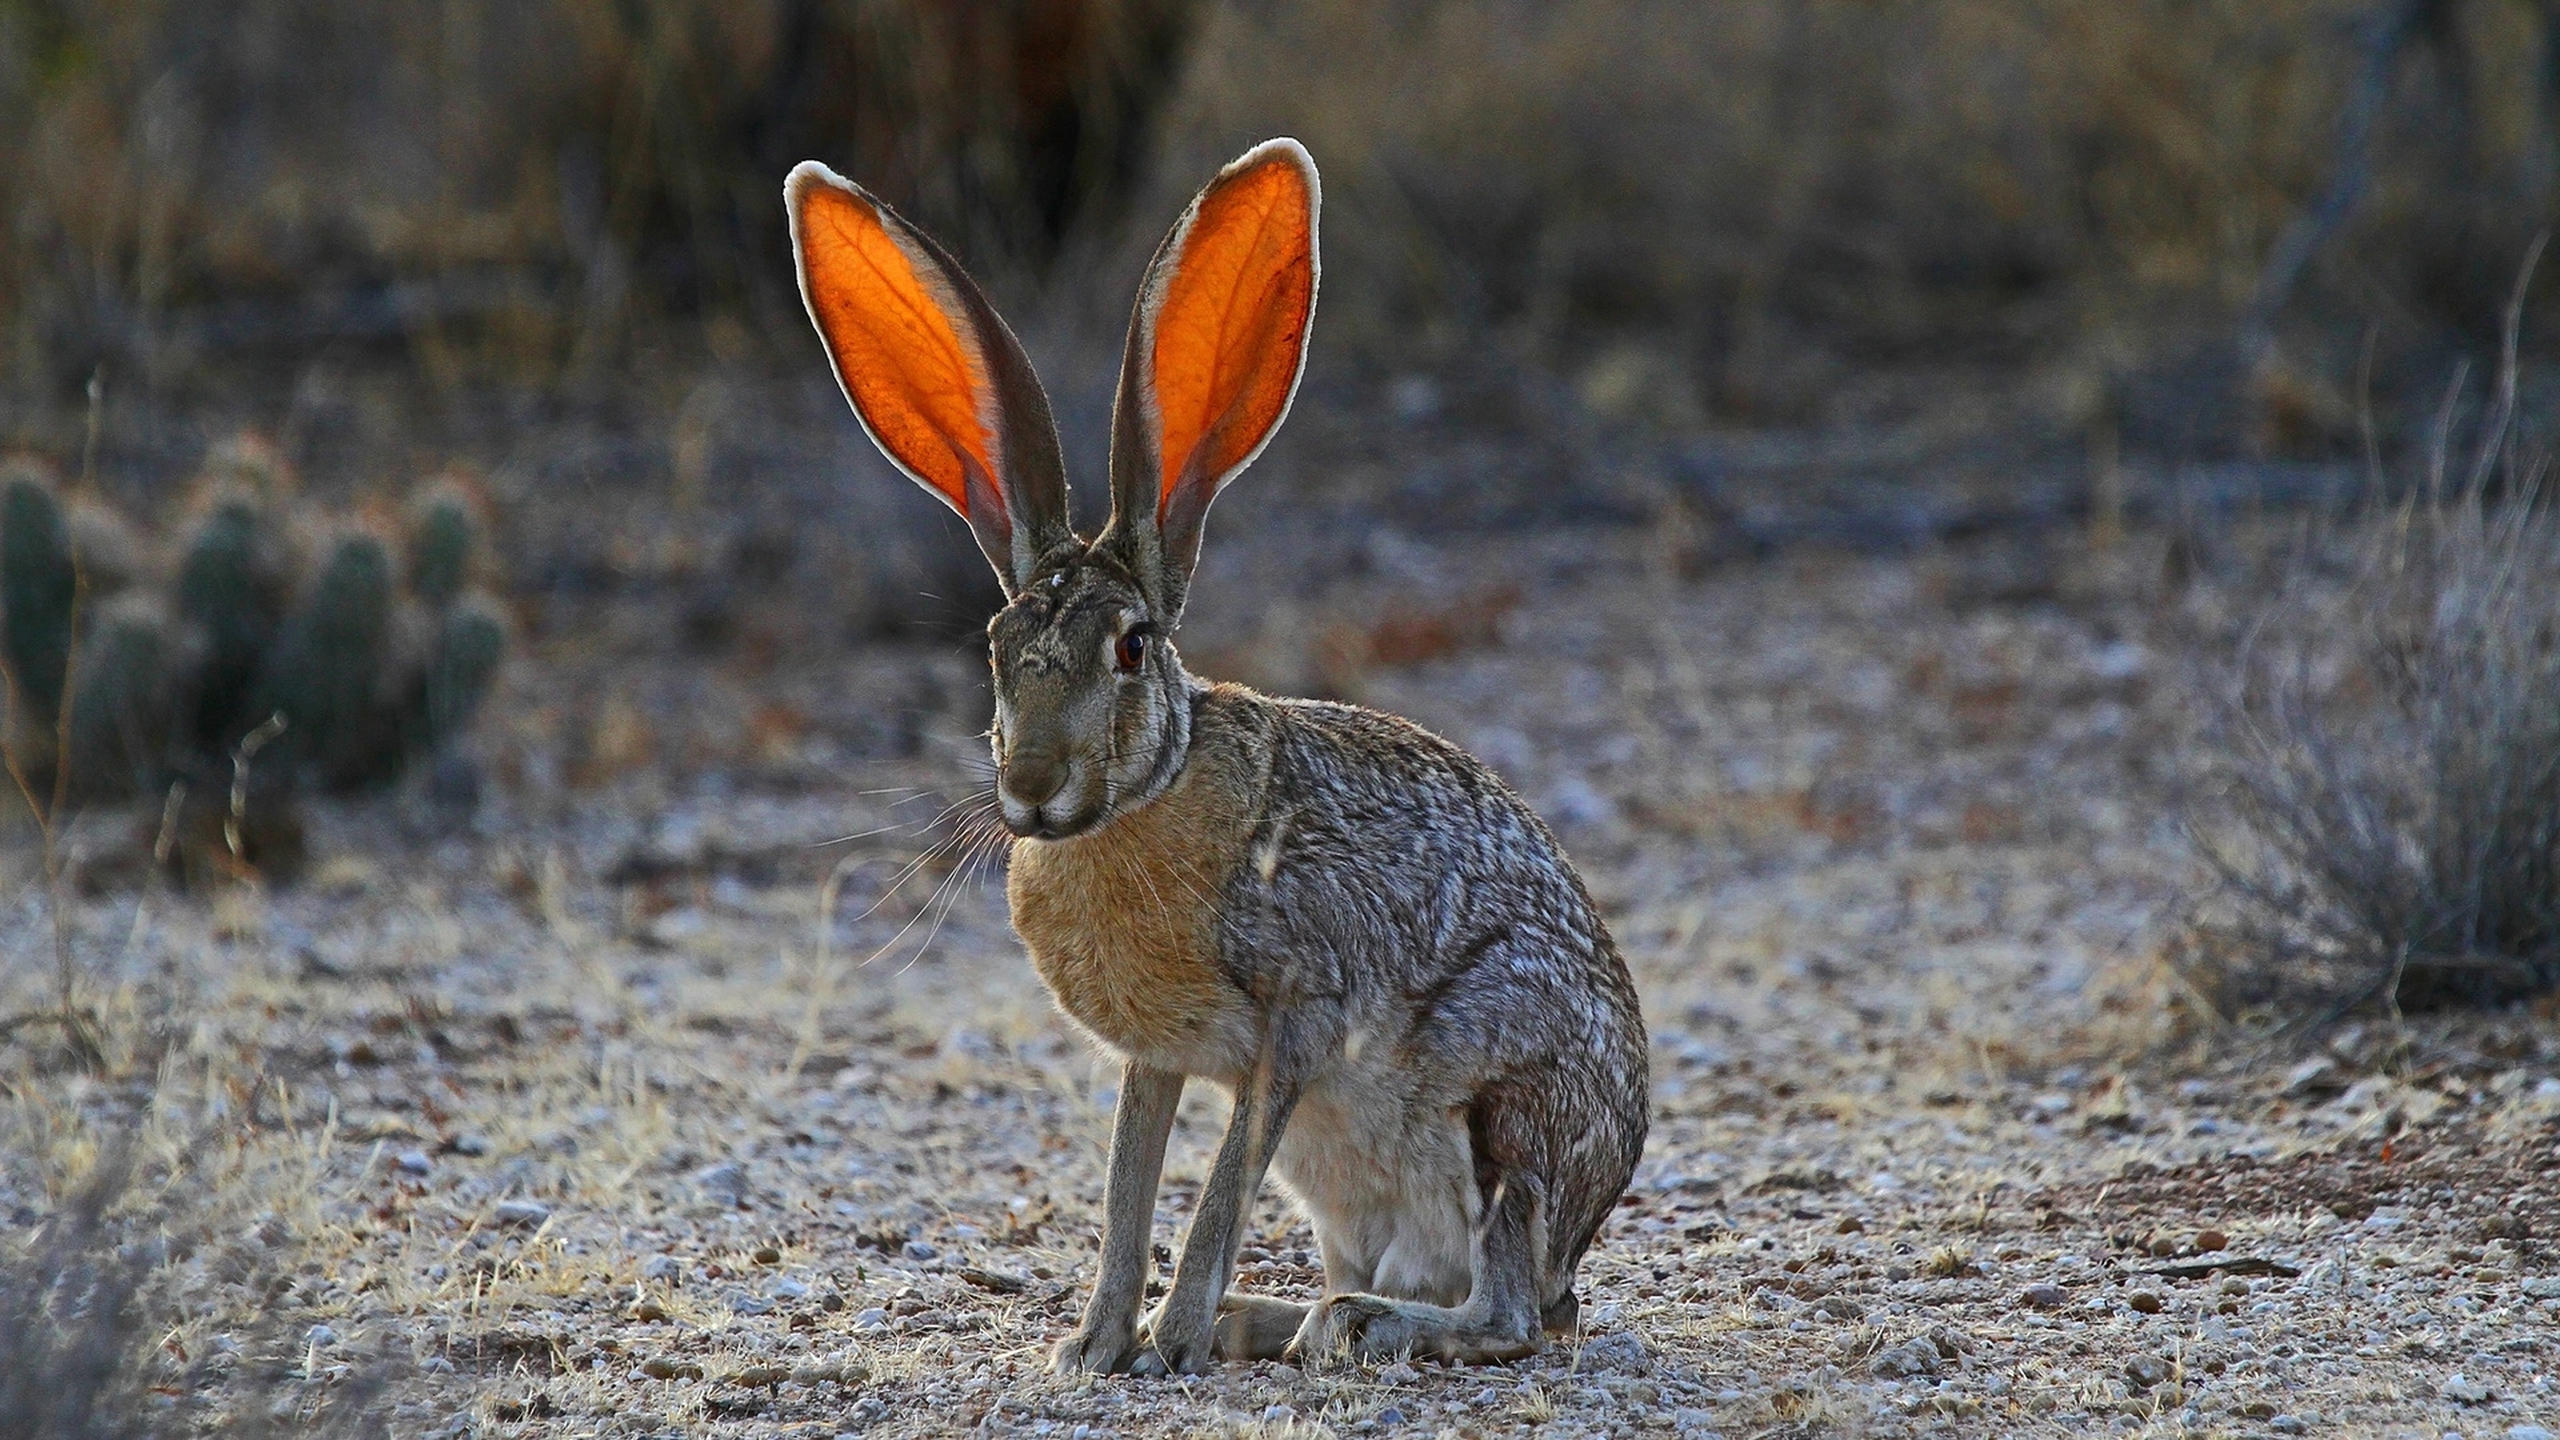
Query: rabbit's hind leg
x,y
1256,1327
1500,1320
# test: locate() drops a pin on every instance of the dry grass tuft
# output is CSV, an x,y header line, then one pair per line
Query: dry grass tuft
x,y
75,1345
2387,826
87,1350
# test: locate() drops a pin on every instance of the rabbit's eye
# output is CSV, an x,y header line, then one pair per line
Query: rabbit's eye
x,y
1130,651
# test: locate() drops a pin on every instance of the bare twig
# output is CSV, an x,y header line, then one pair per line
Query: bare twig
x,y
66,976
234,818
78,1031
2387,34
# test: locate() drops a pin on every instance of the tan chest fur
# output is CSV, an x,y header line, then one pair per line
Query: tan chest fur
x,y
1122,924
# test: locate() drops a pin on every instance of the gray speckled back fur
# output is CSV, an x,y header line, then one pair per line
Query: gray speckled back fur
x,y
1425,901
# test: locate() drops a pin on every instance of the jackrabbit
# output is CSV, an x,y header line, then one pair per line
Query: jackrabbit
x,y
1339,918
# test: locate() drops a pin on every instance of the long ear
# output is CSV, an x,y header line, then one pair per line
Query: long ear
x,y
937,379
1215,351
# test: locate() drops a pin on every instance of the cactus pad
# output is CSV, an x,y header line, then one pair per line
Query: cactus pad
x,y
444,531
123,700
38,589
328,672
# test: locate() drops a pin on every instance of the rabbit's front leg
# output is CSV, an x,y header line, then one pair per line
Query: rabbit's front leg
x,y
1107,1342
1181,1333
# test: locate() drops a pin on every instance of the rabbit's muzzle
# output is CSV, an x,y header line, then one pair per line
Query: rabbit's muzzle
x,y
1043,795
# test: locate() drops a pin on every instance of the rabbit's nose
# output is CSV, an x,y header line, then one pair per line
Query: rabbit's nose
x,y
1032,781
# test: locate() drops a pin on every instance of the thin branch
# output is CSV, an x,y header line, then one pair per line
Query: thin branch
x,y
2387,34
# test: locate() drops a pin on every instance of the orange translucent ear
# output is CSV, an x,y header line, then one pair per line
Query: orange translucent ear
x,y
1225,318
908,336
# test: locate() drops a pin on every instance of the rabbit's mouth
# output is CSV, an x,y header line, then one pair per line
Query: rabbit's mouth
x,y
1062,814
1040,824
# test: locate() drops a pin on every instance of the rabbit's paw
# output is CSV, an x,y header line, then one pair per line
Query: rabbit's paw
x,y
1171,1344
1095,1352
1257,1327
1373,1327
1353,1327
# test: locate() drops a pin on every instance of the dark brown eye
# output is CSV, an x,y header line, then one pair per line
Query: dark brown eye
x,y
1131,650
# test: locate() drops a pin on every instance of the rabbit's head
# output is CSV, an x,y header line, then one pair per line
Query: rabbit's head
x,y
1092,705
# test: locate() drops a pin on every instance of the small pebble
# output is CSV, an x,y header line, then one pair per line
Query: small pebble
x,y
1392,1415
522,1214
2528,1432
723,1184
787,1289
1912,1358
2288,1424
2211,1241
874,1318
414,1162
665,1268
2045,1297
831,1372
2461,1389
1625,1353
468,1143
320,1336
918,1250
2145,1301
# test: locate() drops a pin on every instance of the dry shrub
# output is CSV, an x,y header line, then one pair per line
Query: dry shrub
x,y
75,1346
82,1332
2385,814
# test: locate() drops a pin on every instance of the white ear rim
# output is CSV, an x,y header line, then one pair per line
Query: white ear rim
x,y
795,187
1160,276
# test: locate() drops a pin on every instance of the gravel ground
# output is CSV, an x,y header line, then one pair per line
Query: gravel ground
x,y
647,1103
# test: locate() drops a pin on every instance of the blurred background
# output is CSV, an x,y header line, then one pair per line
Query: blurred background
x,y
1614,256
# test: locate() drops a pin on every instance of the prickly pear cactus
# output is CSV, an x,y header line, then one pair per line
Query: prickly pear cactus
x,y
330,669
38,586
373,644
444,540
124,700
233,585
470,643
